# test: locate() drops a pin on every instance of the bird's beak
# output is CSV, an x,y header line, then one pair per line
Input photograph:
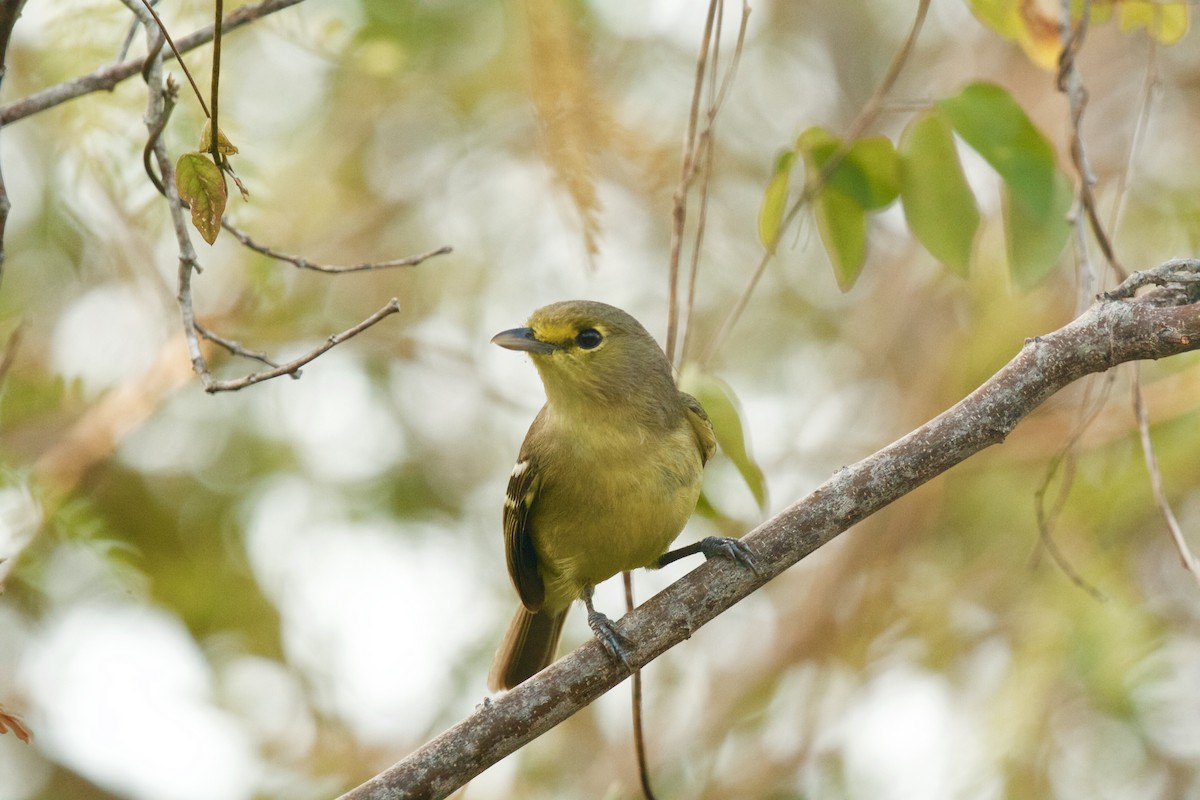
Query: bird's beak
x,y
523,339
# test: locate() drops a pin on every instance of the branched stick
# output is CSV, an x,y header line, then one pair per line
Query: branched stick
x,y
300,262
108,76
237,349
1159,324
293,367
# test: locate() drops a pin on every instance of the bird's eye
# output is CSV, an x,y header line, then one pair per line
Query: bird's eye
x,y
589,338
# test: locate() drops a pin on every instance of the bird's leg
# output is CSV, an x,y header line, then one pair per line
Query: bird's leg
x,y
713,547
604,629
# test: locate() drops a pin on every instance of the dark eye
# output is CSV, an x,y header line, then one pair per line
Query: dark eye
x,y
589,338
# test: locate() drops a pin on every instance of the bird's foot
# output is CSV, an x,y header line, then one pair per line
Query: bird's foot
x,y
727,547
607,633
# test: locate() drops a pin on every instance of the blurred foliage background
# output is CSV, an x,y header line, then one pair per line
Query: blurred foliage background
x,y
279,592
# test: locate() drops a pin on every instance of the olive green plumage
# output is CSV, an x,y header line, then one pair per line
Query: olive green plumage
x,y
608,475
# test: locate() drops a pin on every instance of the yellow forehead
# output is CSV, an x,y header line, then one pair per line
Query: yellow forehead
x,y
559,330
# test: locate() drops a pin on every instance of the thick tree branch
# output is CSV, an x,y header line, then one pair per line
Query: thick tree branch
x,y
1119,327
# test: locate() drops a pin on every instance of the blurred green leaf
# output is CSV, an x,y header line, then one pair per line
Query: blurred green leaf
x,y
988,119
869,174
842,224
775,199
725,413
202,187
1035,240
938,203
866,179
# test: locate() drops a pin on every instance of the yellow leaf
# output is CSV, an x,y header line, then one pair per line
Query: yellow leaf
x,y
224,146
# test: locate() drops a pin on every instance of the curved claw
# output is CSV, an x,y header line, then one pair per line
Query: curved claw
x,y
606,632
726,547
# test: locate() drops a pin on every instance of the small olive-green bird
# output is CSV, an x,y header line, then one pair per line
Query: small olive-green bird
x,y
608,475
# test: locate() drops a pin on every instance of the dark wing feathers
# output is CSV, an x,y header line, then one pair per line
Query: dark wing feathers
x,y
518,539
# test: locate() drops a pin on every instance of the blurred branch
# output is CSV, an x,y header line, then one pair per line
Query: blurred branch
x,y
10,351
293,367
1118,327
687,174
1160,498
13,722
9,11
300,262
107,77
706,150
1070,83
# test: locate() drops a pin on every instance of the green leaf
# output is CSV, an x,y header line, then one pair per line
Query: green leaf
x,y
1035,240
770,216
991,122
869,174
202,187
725,413
866,179
938,203
843,227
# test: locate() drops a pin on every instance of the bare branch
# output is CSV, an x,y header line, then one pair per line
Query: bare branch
x,y
300,262
293,367
108,76
236,348
1160,498
1111,332
687,173
1070,83
9,11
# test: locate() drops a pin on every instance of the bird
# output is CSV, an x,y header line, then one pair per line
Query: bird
x,y
606,478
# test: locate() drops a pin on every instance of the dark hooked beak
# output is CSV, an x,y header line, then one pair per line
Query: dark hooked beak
x,y
523,339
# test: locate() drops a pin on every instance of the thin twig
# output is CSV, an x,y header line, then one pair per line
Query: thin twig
x,y
865,119
9,356
214,147
300,262
1149,85
635,689
1070,83
237,349
178,56
707,146
293,367
10,10
1066,459
687,172
108,76
1160,497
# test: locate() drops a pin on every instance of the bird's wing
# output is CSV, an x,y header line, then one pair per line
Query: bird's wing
x,y
518,538
706,440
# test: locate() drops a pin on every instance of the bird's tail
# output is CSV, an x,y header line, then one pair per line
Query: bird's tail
x,y
528,647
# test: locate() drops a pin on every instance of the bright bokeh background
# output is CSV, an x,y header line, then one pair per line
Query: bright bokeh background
x,y
279,592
